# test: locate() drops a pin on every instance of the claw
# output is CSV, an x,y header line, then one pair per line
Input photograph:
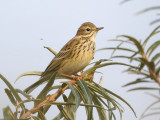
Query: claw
x,y
77,77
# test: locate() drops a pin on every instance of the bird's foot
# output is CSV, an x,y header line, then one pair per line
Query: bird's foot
x,y
77,77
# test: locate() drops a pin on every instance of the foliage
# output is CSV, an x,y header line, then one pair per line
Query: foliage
x,y
83,92
144,61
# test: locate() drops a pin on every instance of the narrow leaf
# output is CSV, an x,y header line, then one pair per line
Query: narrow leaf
x,y
23,93
120,48
38,73
51,50
121,100
87,94
152,34
46,89
101,112
136,42
13,91
76,94
41,115
149,9
10,96
155,57
144,88
60,107
106,64
8,114
158,101
151,49
135,82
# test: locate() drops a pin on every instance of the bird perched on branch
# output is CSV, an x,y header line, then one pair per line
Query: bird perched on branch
x,y
74,56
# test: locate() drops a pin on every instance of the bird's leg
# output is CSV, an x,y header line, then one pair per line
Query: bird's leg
x,y
76,77
69,76
86,76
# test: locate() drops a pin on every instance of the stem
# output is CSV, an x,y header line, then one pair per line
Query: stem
x,y
153,74
48,99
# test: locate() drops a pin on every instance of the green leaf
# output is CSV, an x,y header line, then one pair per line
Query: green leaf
x,y
76,94
143,114
87,95
55,87
35,118
101,112
10,96
46,108
135,82
29,100
89,70
150,65
152,34
155,57
38,73
149,9
121,100
94,70
150,114
101,91
72,113
41,115
141,66
13,91
155,96
157,63
60,107
157,71
59,116
136,42
72,103
137,72
120,48
144,88
46,89
153,47
23,93
101,100
8,114
124,1
65,98
155,21
124,41
121,56
132,56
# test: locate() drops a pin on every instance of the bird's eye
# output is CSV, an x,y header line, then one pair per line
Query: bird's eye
x,y
88,29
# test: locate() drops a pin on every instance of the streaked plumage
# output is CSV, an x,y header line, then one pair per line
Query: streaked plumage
x,y
74,56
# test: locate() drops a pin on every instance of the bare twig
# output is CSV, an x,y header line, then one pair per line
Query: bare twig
x,y
48,99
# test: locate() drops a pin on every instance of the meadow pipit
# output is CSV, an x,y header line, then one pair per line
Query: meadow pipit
x,y
74,56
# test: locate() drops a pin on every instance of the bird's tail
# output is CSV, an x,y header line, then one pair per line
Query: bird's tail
x,y
36,84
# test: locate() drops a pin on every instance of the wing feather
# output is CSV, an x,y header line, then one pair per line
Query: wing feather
x,y
63,54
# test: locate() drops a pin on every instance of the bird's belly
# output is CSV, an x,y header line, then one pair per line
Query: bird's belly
x,y
73,66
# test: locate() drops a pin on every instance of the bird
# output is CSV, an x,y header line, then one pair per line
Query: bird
x,y
74,56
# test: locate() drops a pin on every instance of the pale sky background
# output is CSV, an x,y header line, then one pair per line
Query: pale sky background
x,y
23,23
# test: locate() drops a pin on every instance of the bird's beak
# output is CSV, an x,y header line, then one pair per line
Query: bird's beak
x,y
100,28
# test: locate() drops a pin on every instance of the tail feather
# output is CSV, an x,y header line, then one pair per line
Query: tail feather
x,y
35,85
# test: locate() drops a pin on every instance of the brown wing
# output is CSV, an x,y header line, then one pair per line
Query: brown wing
x,y
63,54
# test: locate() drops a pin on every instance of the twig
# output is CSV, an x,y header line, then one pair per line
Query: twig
x,y
48,99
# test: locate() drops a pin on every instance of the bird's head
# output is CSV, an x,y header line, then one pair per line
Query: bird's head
x,y
88,29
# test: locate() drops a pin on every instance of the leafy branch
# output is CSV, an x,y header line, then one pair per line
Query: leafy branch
x,y
84,92
145,60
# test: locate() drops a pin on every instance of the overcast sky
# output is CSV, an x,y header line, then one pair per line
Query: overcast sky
x,y
28,25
